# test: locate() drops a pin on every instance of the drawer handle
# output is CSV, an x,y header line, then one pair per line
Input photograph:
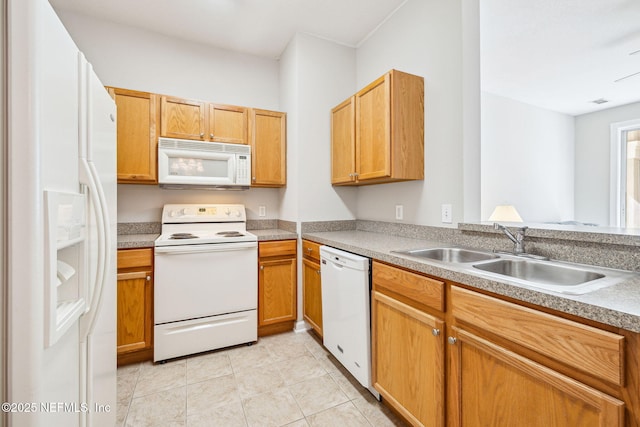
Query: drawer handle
x,y
435,332
452,340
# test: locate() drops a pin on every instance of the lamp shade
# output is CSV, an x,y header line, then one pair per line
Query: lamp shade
x,y
507,213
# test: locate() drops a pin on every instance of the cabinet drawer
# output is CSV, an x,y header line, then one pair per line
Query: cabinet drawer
x,y
423,290
311,250
594,351
277,248
131,258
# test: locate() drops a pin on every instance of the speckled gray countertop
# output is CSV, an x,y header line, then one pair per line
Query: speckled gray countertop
x,y
274,234
137,241
617,305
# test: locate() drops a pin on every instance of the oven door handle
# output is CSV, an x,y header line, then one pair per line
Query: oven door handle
x,y
217,247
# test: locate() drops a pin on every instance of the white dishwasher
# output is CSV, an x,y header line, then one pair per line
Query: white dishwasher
x,y
346,311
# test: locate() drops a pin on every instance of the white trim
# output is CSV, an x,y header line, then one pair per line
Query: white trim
x,y
617,170
301,326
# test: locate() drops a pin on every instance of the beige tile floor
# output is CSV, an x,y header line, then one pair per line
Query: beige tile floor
x,y
283,380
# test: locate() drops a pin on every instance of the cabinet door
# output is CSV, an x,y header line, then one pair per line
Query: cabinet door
x,y
182,118
137,135
135,313
373,130
496,387
312,294
408,360
343,143
276,291
268,148
227,124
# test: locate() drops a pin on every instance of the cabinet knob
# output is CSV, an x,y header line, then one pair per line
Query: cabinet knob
x,y
318,271
309,249
262,267
452,340
211,135
148,278
435,332
253,178
202,135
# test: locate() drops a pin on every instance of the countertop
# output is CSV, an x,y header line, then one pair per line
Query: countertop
x,y
137,241
617,305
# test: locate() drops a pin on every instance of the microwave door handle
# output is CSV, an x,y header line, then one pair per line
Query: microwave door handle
x,y
190,249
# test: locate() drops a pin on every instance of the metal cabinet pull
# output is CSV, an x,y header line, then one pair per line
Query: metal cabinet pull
x,y
148,278
435,332
211,135
452,340
318,271
202,135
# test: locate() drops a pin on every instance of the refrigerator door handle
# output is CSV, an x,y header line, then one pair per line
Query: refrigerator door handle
x,y
98,199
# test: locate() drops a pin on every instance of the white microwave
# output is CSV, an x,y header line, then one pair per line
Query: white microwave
x,y
206,165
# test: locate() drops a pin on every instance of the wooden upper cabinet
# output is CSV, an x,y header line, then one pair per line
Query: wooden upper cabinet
x,y
388,127
182,118
373,136
228,124
202,121
343,142
137,135
268,136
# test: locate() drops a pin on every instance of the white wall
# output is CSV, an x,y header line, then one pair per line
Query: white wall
x,y
527,160
327,76
592,159
424,37
130,58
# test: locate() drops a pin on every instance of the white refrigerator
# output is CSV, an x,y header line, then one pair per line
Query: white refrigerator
x,y
61,229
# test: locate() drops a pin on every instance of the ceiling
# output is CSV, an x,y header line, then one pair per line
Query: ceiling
x,y
561,54
257,27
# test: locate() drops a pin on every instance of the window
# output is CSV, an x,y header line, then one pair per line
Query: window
x,y
625,174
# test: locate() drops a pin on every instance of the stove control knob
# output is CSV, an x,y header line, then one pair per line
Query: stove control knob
x,y
238,214
186,211
173,213
227,212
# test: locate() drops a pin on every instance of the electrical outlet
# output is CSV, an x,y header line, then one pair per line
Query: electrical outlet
x,y
447,214
399,211
262,211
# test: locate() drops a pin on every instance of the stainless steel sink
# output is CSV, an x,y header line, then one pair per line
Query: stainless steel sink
x,y
457,255
540,273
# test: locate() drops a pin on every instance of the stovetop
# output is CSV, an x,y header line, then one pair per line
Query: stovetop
x,y
203,224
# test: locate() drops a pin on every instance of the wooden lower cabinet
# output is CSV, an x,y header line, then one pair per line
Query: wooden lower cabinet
x,y
312,285
497,387
408,354
135,306
446,355
277,286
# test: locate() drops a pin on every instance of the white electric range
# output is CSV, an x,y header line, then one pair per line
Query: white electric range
x,y
206,280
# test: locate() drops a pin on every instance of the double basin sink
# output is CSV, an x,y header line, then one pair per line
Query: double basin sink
x,y
550,275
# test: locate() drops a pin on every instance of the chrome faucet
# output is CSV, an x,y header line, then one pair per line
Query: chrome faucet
x,y
517,239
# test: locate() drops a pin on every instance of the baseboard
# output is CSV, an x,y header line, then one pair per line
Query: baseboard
x,y
301,326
